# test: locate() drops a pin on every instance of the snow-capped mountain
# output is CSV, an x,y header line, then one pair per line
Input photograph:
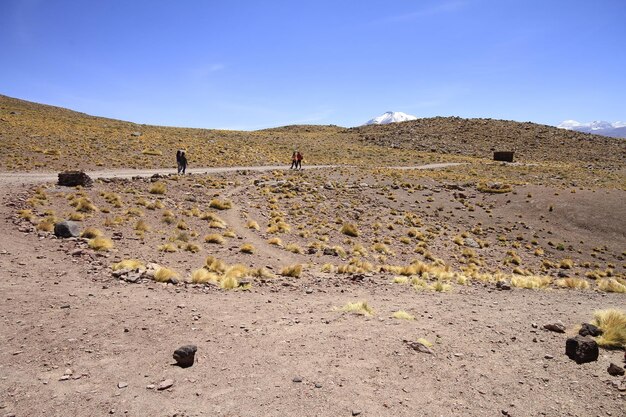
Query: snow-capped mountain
x,y
391,117
598,127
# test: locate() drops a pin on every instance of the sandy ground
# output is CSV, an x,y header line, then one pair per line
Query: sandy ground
x,y
65,315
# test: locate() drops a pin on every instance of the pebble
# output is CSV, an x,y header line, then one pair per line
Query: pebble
x,y
549,356
122,385
356,412
297,379
165,384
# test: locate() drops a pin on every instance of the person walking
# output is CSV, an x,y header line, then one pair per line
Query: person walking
x,y
294,160
299,159
181,161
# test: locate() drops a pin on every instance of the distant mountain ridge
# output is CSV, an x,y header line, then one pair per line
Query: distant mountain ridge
x,y
390,117
597,127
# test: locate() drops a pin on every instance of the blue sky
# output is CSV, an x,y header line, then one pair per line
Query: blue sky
x,y
253,64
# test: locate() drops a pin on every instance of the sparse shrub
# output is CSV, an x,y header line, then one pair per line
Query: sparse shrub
x,y
613,324
574,283
229,283
77,217
293,271
440,286
168,247
253,225
275,241
349,229
142,226
220,205
84,205
192,247
531,282
247,248
294,248
100,243
45,225
611,285
566,264
90,233
214,238
495,188
152,152
158,188
201,276
131,264
359,307
402,315
163,274
400,280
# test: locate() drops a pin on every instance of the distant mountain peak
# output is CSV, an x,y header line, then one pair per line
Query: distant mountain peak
x,y
597,127
391,117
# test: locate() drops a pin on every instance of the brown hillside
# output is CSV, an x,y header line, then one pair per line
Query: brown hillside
x,y
480,137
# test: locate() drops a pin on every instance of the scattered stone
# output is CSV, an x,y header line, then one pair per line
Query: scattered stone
x,y
615,370
309,291
74,178
150,386
121,385
297,379
555,327
185,355
548,356
471,243
503,286
419,347
318,385
136,134
165,384
582,349
590,330
133,277
66,229
329,186
356,412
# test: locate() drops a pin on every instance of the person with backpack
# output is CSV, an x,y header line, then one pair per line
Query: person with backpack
x,y
294,160
181,161
299,159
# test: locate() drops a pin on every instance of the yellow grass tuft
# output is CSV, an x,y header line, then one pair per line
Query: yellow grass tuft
x,y
142,226
253,225
402,315
192,247
100,243
275,241
611,285
613,324
531,282
220,205
84,205
566,264
400,280
214,238
247,248
152,152
349,229
293,271
163,274
168,247
158,188
228,283
494,188
91,232
440,286
202,276
131,264
359,307
574,283
293,247
77,217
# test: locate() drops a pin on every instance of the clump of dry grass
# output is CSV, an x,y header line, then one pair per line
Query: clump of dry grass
x,y
152,152
131,264
275,241
163,274
440,286
84,205
359,307
100,243
76,217
220,204
45,225
202,276
531,282
293,271
613,324
91,232
192,247
349,229
167,247
142,226
158,188
611,285
247,248
214,238
294,248
252,225
402,315
566,264
495,188
574,283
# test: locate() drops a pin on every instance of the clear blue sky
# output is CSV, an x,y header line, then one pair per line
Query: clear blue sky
x,y
251,64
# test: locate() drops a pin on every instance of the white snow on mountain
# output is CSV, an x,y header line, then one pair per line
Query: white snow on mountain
x,y
391,117
597,127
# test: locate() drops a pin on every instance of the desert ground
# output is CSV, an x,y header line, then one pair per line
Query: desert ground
x,y
383,279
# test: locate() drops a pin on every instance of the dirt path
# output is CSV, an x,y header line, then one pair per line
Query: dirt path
x,y
38,177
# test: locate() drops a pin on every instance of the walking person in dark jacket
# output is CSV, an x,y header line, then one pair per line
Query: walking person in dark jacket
x,y
181,161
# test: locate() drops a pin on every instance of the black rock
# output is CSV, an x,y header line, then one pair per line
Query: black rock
x,y
582,349
66,229
590,330
615,370
74,178
185,355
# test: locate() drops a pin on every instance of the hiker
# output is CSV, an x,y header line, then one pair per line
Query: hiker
x,y
181,161
294,160
299,159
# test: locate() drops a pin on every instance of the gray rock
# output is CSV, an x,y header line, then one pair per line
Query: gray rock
x,y
615,370
555,327
582,349
297,379
74,178
165,384
185,355
66,229
471,243
419,347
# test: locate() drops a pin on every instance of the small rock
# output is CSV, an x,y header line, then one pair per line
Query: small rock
x,y
66,229
165,384
582,349
185,355
548,356
297,379
555,327
318,385
615,370
356,412
150,386
471,243
590,330
309,291
122,385
419,347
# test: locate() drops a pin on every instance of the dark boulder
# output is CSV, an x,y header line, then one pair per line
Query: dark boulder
x,y
582,349
185,355
66,229
615,370
590,330
74,178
